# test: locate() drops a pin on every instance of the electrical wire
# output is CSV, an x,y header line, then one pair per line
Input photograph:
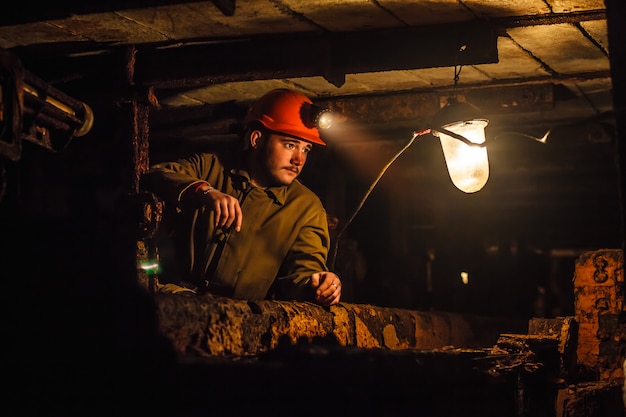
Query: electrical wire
x,y
335,246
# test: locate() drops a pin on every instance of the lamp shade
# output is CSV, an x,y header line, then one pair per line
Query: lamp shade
x,y
468,165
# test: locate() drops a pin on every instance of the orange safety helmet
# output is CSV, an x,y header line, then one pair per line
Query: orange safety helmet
x,y
286,111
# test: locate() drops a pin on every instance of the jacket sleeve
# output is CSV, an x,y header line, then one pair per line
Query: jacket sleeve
x,y
170,180
307,255
177,236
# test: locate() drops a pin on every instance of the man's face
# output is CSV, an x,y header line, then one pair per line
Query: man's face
x,y
282,158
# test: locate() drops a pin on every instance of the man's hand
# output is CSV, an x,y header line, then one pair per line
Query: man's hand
x,y
226,207
327,287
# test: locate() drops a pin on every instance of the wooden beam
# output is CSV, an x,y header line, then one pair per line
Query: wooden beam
x,y
331,55
217,326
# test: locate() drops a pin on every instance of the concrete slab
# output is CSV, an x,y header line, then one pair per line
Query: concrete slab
x,y
562,47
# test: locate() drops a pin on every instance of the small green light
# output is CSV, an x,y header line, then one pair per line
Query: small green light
x,y
150,266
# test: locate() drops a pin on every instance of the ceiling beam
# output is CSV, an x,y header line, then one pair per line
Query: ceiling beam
x,y
330,55
415,108
216,61
550,19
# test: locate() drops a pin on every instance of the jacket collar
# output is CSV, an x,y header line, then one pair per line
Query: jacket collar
x,y
241,181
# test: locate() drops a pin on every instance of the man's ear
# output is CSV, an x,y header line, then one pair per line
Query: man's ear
x,y
254,138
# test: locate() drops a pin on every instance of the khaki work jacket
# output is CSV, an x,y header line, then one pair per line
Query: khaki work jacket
x,y
284,236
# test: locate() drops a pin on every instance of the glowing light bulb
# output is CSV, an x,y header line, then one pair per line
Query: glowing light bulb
x,y
468,166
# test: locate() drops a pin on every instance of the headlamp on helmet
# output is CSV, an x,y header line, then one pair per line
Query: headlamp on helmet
x,y
322,117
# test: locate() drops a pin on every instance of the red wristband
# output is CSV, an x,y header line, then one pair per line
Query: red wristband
x,y
202,184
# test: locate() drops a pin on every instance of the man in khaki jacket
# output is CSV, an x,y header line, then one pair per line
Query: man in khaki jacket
x,y
246,227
